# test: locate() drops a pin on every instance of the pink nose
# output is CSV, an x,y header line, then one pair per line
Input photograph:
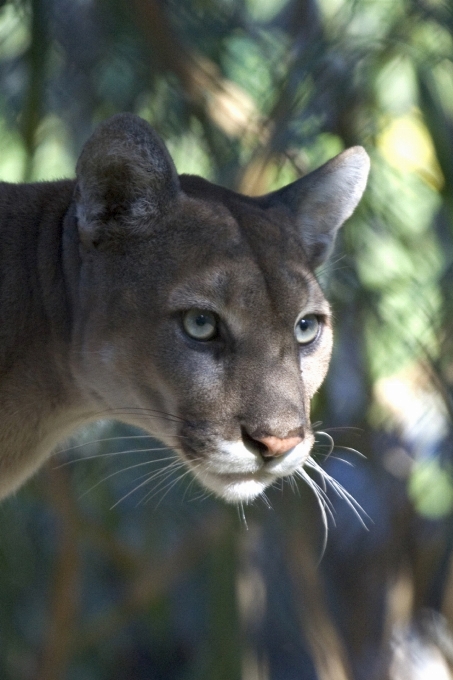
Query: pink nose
x,y
276,446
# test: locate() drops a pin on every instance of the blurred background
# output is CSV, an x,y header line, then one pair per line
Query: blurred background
x,y
101,582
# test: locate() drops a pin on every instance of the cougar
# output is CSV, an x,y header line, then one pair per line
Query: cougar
x,y
169,303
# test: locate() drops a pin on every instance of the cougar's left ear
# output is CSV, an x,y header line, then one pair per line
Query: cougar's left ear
x,y
322,200
125,178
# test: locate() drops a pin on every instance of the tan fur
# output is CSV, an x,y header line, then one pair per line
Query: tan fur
x,y
96,275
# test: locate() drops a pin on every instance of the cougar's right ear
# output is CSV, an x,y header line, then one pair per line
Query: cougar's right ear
x,y
125,178
322,200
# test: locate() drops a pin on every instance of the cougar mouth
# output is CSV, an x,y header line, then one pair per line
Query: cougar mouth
x,y
234,488
237,473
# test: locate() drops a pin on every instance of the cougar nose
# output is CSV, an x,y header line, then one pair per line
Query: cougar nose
x,y
275,446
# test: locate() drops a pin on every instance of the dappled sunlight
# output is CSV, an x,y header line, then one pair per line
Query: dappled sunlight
x,y
115,564
406,144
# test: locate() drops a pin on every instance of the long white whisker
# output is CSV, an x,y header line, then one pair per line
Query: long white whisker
x,y
104,439
340,491
112,439
191,483
165,474
340,460
149,478
293,484
343,460
118,472
340,428
266,500
116,453
167,487
322,494
308,480
202,495
138,410
186,490
241,513
170,486
331,441
349,448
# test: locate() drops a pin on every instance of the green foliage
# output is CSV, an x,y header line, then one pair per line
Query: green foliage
x,y
431,489
251,94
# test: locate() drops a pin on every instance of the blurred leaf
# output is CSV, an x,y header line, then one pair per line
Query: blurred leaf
x,y
431,489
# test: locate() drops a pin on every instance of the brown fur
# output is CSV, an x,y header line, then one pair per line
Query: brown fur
x,y
96,275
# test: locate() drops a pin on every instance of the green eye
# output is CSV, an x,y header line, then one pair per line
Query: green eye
x,y
200,324
306,329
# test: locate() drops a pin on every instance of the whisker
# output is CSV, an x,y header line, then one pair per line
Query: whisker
x,y
112,439
293,484
351,450
322,494
264,497
341,428
330,439
148,480
150,475
114,453
138,410
329,266
163,472
189,487
168,487
118,472
340,491
241,514
333,457
164,475
321,504
203,494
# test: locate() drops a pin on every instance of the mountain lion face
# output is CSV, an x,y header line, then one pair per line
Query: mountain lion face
x,y
184,308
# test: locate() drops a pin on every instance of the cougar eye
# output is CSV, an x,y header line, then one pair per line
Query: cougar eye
x,y
306,329
200,324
